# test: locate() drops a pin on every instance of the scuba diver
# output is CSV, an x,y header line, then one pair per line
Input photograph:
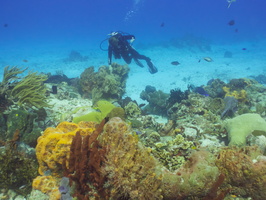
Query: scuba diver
x,y
120,47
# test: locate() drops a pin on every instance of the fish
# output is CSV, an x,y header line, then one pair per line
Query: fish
x,y
162,24
231,22
201,91
25,60
5,25
175,63
208,59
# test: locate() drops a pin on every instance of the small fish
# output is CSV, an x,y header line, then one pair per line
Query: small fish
x,y
162,24
25,60
5,25
244,49
201,91
208,59
175,63
22,187
231,22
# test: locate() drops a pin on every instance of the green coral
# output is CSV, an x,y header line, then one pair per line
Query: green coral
x,y
108,83
243,125
30,91
117,112
102,108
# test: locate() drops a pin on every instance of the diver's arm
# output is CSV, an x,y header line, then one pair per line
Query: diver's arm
x,y
110,52
129,37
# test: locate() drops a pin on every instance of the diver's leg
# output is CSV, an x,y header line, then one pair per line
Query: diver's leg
x,y
138,62
127,58
136,55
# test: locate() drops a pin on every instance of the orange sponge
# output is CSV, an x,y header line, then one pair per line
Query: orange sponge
x,y
54,145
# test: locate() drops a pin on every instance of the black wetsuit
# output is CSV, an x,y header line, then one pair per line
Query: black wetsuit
x,y
120,47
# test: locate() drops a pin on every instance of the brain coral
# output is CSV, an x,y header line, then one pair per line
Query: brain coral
x,y
54,145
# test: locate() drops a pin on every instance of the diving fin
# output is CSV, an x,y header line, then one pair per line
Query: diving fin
x,y
138,62
152,68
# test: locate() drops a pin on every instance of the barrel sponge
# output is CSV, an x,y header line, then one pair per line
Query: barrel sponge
x,y
243,125
54,145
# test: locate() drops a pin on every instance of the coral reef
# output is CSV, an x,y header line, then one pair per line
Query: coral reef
x,y
53,150
172,152
47,185
10,77
176,96
239,95
129,166
107,83
230,106
18,168
110,162
132,110
215,88
241,126
54,145
244,174
30,91
101,110
84,165
24,122
193,180
157,101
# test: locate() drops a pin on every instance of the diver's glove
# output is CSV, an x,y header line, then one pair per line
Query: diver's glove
x,y
152,68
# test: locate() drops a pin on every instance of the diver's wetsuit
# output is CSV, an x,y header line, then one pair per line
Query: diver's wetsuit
x,y
120,47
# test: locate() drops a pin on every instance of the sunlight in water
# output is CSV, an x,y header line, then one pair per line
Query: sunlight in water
x,y
229,2
132,11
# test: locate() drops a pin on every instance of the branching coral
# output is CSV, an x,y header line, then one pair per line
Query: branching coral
x,y
10,76
31,91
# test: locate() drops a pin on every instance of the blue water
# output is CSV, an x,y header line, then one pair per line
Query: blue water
x,y
58,26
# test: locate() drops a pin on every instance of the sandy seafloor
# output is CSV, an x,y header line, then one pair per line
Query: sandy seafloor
x,y
193,69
